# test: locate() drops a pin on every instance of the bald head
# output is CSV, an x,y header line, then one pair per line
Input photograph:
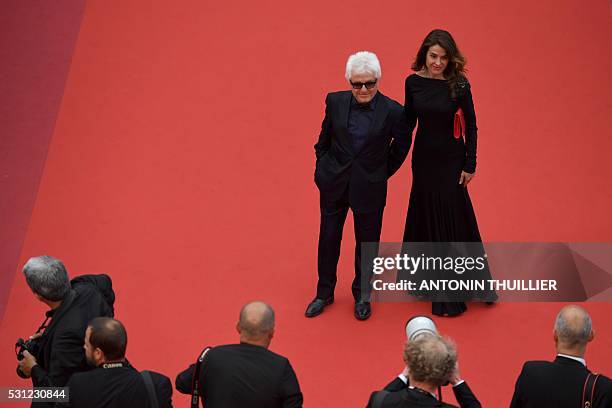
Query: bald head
x,y
256,322
573,327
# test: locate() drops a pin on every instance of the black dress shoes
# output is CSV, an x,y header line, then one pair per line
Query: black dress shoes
x,y
316,307
363,310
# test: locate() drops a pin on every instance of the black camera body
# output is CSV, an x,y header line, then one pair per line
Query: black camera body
x,y
31,346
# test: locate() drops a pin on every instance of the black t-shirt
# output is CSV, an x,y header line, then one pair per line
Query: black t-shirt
x,y
121,387
246,376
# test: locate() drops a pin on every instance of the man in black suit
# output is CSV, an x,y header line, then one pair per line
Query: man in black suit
x,y
57,350
364,139
431,361
246,375
561,383
114,382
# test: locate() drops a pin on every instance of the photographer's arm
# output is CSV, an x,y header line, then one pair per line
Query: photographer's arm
x,y
399,383
290,389
184,380
67,357
464,395
163,390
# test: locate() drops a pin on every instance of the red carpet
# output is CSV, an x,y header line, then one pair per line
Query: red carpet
x,y
181,163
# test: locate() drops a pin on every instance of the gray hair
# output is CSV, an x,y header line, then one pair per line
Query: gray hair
x,y
363,62
573,326
47,277
431,359
256,320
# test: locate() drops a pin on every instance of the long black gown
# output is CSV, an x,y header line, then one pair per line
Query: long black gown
x,y
440,209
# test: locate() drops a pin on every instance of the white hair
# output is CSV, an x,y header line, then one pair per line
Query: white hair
x,y
363,62
47,277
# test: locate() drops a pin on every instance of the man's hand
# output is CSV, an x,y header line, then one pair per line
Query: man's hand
x,y
36,335
465,178
455,376
25,365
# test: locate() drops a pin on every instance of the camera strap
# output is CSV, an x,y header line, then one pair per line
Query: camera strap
x,y
146,376
195,389
119,364
44,325
588,390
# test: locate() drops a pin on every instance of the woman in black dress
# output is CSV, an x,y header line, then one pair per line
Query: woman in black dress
x,y
443,165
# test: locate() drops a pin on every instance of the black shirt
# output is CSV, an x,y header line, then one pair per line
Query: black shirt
x,y
360,121
119,387
246,376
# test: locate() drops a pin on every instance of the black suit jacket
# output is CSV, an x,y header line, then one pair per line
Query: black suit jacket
x,y
245,376
402,396
117,388
557,384
365,173
60,352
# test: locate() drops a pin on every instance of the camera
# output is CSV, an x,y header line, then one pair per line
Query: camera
x,y
31,346
420,325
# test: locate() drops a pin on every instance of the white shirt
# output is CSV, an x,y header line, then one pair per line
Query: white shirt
x,y
582,360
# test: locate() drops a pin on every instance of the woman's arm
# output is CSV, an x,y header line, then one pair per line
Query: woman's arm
x,y
471,131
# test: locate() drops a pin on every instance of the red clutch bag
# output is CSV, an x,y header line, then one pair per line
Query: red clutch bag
x,y
459,127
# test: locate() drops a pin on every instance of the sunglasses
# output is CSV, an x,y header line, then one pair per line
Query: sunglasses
x,y
358,85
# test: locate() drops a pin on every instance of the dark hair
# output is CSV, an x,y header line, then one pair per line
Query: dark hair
x,y
47,277
108,335
455,69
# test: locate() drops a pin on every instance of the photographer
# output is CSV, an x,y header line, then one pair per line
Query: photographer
x,y
431,361
114,382
56,351
245,375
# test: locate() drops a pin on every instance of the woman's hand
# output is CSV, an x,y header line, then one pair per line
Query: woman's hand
x,y
465,178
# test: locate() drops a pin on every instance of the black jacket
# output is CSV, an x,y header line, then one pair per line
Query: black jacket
x,y
365,173
60,349
400,396
121,387
557,384
245,376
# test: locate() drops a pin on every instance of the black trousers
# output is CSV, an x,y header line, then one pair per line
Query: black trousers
x,y
367,229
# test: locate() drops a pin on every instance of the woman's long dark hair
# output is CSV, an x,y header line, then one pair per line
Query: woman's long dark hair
x,y
455,69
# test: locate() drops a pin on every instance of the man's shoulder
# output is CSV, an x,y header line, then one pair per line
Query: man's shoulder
x,y
391,103
251,350
86,377
538,368
87,286
160,382
337,95
159,378
604,380
535,366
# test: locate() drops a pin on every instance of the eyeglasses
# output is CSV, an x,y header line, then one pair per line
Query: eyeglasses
x,y
358,85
